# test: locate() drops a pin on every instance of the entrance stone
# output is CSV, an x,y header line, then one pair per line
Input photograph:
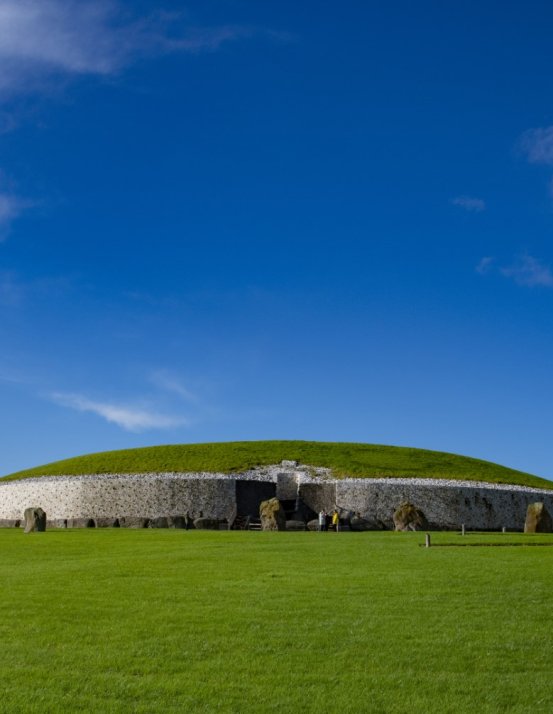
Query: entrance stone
x,y
273,517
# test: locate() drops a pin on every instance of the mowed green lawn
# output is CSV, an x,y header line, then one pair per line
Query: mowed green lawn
x,y
175,621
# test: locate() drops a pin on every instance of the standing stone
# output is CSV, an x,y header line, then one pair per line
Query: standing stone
x,y
538,519
295,525
409,518
273,517
35,520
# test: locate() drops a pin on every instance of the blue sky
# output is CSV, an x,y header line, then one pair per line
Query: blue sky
x,y
231,220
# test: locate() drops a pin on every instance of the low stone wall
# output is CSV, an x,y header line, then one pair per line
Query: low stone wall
x,y
120,496
446,504
445,507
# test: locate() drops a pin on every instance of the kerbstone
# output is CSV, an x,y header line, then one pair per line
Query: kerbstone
x,y
273,517
409,518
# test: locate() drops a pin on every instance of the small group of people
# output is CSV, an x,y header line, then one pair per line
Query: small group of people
x,y
329,521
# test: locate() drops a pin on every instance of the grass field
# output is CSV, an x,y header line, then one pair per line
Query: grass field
x,y
174,621
357,460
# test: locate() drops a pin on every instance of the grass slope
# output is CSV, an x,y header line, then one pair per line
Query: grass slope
x,y
356,460
141,622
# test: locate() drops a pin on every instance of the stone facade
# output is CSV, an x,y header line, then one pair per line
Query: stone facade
x,y
119,496
445,507
446,504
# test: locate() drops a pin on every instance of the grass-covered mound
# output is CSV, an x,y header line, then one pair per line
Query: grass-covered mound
x,y
356,460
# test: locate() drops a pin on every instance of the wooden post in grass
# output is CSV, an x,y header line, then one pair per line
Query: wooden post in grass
x,y
427,540
462,529
504,529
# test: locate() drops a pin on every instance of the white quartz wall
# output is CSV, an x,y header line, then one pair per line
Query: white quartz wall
x,y
481,507
116,496
446,504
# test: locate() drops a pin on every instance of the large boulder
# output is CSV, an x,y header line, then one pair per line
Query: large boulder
x,y
104,522
9,523
409,518
207,524
81,523
273,517
35,520
538,519
58,523
294,525
134,522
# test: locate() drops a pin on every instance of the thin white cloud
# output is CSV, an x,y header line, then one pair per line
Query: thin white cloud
x,y
171,383
127,417
469,203
44,38
537,145
44,43
530,272
485,265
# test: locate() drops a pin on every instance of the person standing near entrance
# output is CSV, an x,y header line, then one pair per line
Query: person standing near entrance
x,y
335,521
322,521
